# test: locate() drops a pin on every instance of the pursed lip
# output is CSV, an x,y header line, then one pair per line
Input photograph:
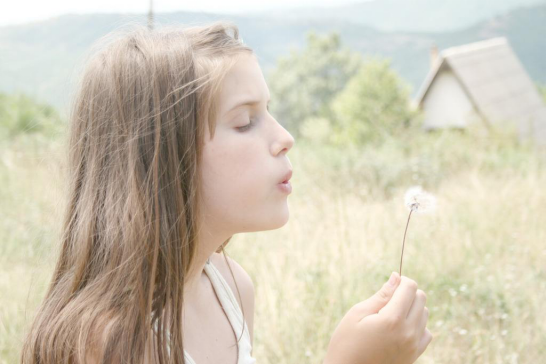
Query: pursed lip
x,y
287,176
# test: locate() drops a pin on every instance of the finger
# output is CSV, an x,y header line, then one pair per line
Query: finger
x,y
402,299
424,342
416,310
423,321
376,302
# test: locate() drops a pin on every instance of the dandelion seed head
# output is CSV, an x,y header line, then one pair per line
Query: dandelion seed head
x,y
416,199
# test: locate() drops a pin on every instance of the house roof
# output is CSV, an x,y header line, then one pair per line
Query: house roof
x,y
493,78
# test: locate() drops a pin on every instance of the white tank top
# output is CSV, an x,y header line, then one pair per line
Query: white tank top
x,y
234,313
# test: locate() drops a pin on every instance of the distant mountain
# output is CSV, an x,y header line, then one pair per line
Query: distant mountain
x,y
406,15
43,58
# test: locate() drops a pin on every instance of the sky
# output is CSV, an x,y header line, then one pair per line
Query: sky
x,y
25,11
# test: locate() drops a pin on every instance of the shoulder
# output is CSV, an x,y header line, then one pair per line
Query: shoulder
x,y
244,280
244,283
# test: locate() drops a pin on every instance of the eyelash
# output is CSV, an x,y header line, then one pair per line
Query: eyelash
x,y
251,123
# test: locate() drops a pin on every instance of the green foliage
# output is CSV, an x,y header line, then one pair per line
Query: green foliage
x,y
21,114
375,172
317,130
332,96
303,84
373,107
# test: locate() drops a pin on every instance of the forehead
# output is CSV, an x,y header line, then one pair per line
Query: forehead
x,y
244,82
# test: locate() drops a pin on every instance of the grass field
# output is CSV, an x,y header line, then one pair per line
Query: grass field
x,y
480,258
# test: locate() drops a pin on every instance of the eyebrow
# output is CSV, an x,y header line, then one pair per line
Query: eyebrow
x,y
247,103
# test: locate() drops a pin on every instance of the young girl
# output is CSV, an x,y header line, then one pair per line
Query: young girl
x,y
172,151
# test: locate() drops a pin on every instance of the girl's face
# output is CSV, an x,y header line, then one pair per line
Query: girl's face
x,y
243,164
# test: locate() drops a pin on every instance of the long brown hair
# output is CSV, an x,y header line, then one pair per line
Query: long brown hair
x,y
137,124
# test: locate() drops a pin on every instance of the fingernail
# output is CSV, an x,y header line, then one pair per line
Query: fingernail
x,y
392,279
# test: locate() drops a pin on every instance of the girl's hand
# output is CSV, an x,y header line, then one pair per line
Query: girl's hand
x,y
387,328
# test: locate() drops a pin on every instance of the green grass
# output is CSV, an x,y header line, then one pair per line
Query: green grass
x,y
480,258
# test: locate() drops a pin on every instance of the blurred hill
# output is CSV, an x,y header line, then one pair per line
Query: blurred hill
x,y
404,15
42,58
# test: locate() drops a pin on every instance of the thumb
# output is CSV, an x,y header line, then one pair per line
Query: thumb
x,y
377,301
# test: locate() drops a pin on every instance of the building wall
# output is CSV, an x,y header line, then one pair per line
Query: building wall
x,y
446,104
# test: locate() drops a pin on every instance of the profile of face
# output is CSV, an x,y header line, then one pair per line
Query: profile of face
x,y
247,158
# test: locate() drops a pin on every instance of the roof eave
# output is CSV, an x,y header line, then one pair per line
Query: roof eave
x,y
422,91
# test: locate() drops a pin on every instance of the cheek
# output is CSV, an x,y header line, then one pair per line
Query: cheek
x,y
236,179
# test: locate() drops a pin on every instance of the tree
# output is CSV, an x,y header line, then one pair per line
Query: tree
x,y
373,106
21,114
303,84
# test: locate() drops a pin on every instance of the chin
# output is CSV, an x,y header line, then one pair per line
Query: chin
x,y
271,223
280,220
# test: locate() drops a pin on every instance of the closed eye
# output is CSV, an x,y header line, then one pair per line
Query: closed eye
x,y
251,122
246,127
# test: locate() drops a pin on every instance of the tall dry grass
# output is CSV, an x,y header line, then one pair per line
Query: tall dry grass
x,y
480,258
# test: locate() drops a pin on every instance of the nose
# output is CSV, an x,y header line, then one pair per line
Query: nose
x,y
283,142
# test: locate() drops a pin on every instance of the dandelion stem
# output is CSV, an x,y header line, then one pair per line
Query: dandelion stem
x,y
404,237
